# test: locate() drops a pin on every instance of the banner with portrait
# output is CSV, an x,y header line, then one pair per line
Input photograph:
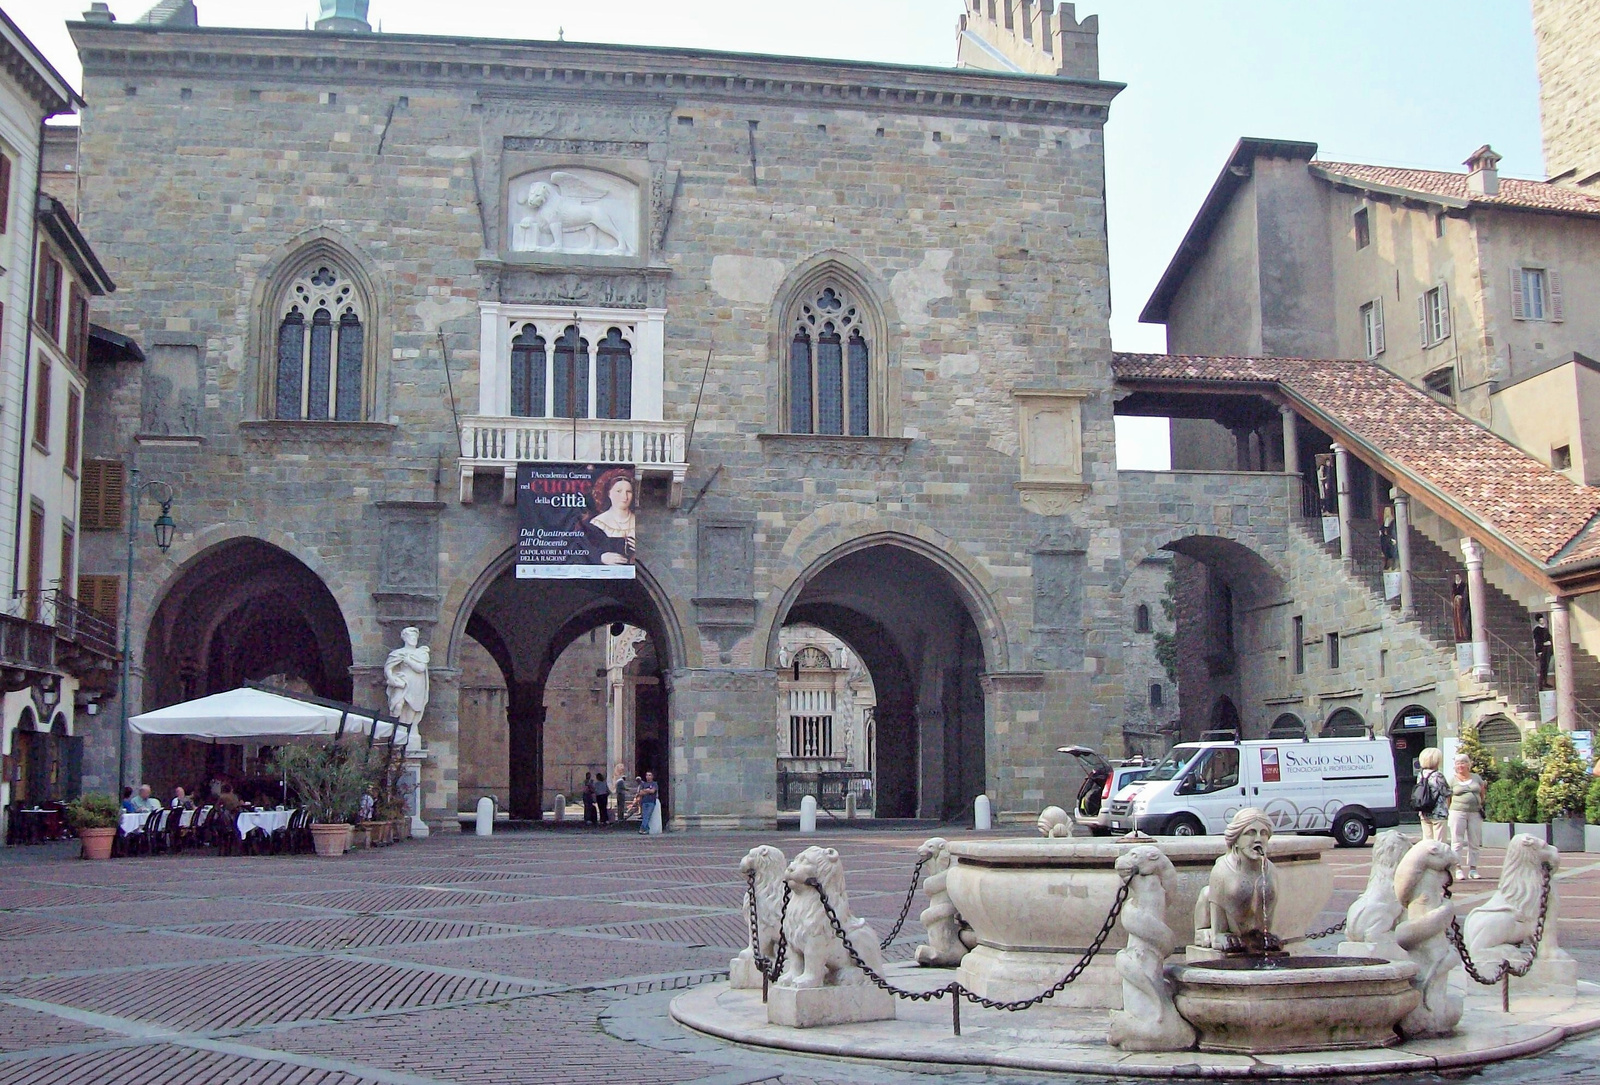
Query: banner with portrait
x,y
575,521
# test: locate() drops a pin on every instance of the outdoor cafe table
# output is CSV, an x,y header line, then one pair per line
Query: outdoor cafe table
x,y
133,823
268,821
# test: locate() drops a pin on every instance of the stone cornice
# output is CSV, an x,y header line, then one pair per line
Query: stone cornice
x,y
546,68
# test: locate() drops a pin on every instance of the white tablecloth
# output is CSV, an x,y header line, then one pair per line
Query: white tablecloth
x,y
132,823
266,820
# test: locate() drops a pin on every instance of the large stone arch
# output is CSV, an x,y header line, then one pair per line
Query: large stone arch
x,y
1161,508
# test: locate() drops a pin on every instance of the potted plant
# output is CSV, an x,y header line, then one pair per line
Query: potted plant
x,y
95,817
1591,816
1563,789
1511,805
329,782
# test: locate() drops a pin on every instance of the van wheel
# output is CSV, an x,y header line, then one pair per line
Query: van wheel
x,y
1185,825
1351,830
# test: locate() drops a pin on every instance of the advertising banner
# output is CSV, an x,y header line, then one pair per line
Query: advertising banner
x,y
575,521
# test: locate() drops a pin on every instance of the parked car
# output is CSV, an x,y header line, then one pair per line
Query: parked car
x,y
1102,779
1342,786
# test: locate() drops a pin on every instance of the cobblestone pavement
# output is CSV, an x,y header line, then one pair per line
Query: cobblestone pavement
x,y
535,957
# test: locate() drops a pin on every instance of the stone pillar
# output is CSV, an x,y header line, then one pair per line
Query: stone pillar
x,y
1561,644
1402,539
620,651
1291,442
1341,467
722,728
441,732
1472,554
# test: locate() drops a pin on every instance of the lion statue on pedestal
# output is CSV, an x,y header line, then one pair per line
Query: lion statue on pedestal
x,y
768,864
816,956
948,939
1502,929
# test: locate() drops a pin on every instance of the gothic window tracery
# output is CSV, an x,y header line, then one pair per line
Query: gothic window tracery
x,y
322,330
829,363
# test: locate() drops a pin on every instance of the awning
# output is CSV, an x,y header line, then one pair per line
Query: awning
x,y
249,714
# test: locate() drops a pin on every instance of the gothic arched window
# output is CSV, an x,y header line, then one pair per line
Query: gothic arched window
x,y
320,360
830,364
571,384
527,374
614,377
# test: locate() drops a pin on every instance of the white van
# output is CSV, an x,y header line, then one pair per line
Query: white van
x,y
1343,786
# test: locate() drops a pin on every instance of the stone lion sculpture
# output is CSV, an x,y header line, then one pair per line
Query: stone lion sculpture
x,y
568,204
1054,822
1502,929
1373,916
1234,912
1420,883
1148,1020
948,940
767,863
816,956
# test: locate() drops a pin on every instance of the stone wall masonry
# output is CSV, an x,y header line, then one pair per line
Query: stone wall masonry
x,y
1569,68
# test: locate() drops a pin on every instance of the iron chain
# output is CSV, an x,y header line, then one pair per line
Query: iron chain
x,y
1506,968
905,909
1335,929
772,968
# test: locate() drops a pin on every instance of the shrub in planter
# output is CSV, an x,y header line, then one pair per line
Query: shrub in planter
x,y
328,780
1591,810
1504,804
1482,758
1527,803
1563,791
96,818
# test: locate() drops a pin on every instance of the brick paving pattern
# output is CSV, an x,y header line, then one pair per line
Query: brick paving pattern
x,y
528,958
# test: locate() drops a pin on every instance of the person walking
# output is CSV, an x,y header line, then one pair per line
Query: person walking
x,y
1466,817
648,793
1431,795
602,798
589,815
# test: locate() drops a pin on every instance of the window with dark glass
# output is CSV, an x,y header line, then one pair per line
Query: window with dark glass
x,y
830,367
527,374
41,406
1141,618
352,349
47,310
614,377
74,411
320,360
571,385
291,346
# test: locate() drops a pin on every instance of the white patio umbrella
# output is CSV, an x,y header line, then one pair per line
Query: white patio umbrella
x,y
250,715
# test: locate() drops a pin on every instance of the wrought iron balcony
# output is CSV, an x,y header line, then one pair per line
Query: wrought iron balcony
x,y
51,633
497,445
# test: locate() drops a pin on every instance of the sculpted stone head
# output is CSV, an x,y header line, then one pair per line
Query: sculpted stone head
x,y
1247,834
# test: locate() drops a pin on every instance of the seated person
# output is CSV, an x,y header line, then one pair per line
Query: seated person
x,y
129,806
181,799
146,802
228,800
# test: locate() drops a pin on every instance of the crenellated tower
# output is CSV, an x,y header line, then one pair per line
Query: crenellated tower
x,y
1034,37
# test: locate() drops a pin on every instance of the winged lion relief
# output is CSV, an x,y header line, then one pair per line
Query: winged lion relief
x,y
577,212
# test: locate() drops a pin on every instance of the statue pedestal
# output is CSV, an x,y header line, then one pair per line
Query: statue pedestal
x,y
743,975
1552,977
812,1007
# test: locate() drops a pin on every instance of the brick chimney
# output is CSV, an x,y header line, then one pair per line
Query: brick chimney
x,y
1483,174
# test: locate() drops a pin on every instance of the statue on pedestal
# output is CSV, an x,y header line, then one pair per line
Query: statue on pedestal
x,y
1148,1020
405,676
1501,931
948,940
767,864
1371,920
1233,914
1543,649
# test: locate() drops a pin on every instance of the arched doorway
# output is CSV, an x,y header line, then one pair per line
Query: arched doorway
x,y
1343,723
911,621
1287,726
1411,730
549,640
242,611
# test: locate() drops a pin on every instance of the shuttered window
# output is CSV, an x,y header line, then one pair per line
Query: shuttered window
x,y
47,307
69,554
1433,315
74,410
101,594
101,505
78,327
1372,327
5,193
41,405
1536,294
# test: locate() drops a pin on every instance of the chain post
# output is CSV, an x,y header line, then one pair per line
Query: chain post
x,y
955,1015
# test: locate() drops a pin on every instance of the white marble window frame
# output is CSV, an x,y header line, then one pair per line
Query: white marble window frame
x,y
643,329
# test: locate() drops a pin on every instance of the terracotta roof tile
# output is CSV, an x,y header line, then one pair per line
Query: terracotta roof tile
x,y
1514,192
1537,509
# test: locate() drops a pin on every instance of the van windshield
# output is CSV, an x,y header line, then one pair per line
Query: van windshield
x,y
1173,763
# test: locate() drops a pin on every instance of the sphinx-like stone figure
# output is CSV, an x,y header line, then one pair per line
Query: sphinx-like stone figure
x,y
821,983
1233,914
1370,922
1502,930
1054,822
767,863
948,941
1148,1020
1420,883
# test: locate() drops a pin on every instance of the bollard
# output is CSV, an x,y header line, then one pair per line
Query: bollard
x,y
850,806
485,816
559,808
808,814
982,814
655,820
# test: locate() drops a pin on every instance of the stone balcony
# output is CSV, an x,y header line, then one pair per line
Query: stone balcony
x,y
497,445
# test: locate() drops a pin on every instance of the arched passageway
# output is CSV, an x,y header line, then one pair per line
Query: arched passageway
x,y
910,622
242,611
543,635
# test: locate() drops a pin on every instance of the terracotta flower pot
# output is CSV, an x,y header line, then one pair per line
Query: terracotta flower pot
x,y
97,842
330,840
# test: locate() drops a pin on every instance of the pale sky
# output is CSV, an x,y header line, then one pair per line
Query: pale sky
x,y
1420,83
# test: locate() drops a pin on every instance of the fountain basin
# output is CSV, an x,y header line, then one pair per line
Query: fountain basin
x,y
1036,905
1252,1006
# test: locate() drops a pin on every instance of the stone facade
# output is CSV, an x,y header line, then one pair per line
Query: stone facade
x,y
1569,73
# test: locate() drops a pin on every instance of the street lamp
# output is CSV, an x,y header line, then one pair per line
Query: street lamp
x,y
164,528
